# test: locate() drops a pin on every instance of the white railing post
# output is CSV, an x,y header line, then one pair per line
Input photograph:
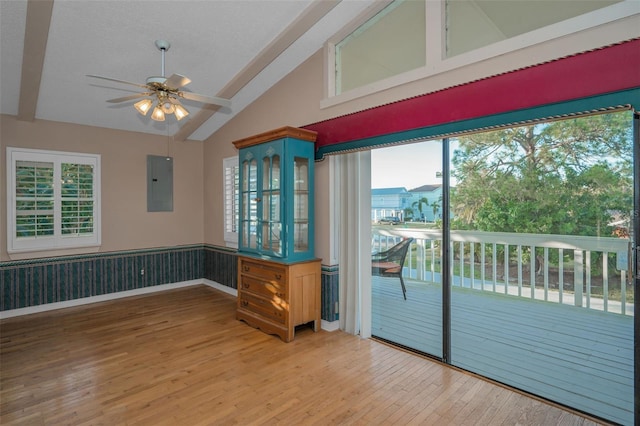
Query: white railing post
x,y
494,264
532,271
433,260
451,259
588,274
482,265
461,263
472,265
605,282
506,269
623,292
546,273
578,276
420,259
560,274
519,270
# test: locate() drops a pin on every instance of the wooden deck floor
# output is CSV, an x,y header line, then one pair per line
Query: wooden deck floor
x,y
181,358
575,356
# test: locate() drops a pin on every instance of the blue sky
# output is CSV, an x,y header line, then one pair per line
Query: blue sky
x,y
410,165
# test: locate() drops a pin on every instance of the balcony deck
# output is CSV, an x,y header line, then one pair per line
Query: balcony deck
x,y
576,356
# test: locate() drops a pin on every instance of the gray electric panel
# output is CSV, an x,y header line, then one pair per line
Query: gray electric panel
x,y
159,183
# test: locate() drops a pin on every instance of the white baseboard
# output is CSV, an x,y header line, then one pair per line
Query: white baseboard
x,y
330,325
95,299
325,325
221,287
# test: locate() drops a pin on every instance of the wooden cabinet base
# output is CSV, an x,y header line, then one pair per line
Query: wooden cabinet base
x,y
276,297
268,327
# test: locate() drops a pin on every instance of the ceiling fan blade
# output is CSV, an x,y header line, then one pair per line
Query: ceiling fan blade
x,y
206,99
117,81
130,97
176,81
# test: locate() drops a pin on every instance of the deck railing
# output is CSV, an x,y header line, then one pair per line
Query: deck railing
x,y
589,272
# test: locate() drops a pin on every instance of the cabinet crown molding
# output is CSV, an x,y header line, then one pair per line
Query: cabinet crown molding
x,y
282,132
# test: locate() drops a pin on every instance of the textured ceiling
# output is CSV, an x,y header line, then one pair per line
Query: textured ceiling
x,y
212,43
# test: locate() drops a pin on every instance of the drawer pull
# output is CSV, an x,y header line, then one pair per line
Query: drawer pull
x,y
246,268
246,285
245,303
278,276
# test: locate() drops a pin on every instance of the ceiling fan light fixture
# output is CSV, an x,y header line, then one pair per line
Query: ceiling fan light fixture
x,y
143,106
163,92
180,112
157,114
167,107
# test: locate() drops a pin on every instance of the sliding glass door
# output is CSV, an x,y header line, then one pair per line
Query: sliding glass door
x,y
406,217
538,284
542,297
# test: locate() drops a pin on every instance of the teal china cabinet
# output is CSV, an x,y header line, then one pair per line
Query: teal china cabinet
x,y
276,194
278,274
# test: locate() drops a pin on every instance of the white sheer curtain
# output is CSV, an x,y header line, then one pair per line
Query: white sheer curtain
x,y
354,186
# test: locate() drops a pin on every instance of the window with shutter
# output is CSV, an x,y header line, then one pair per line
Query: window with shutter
x,y
53,200
231,200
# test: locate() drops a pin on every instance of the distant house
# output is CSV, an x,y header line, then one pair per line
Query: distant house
x,y
394,202
387,202
433,209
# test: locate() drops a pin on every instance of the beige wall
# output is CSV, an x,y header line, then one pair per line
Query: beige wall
x,y
126,224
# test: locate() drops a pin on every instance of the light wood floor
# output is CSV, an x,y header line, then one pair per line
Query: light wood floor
x,y
181,358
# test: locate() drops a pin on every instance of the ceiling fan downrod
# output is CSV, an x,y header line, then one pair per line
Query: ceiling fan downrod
x,y
163,46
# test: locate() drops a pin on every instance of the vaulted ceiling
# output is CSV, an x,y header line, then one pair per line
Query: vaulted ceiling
x,y
235,49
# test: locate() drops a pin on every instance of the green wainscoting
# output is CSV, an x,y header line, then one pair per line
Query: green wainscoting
x,y
330,293
34,282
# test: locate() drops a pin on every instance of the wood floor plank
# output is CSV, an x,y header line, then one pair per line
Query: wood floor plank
x,y
180,357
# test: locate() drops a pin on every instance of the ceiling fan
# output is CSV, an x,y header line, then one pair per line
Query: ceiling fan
x,y
166,91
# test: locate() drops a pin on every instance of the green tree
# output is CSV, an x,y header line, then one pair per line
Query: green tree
x,y
408,213
435,207
418,204
566,177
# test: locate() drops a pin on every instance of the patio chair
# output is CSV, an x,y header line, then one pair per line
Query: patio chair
x,y
389,263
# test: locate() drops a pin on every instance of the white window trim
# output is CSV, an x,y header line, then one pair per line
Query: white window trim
x,y
437,63
57,241
230,237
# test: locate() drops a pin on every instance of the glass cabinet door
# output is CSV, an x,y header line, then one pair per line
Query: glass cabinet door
x,y
249,195
301,204
271,226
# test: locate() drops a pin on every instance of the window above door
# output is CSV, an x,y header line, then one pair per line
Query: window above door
x,y
402,41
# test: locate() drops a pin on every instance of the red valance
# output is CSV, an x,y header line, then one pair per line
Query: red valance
x,y
595,72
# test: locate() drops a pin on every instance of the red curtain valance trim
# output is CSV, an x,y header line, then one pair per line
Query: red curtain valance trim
x,y
595,72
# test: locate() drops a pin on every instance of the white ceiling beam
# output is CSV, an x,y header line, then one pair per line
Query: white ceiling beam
x,y
303,23
35,44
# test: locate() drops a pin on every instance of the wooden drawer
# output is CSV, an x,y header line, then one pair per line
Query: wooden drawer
x,y
267,272
267,289
274,309
276,297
